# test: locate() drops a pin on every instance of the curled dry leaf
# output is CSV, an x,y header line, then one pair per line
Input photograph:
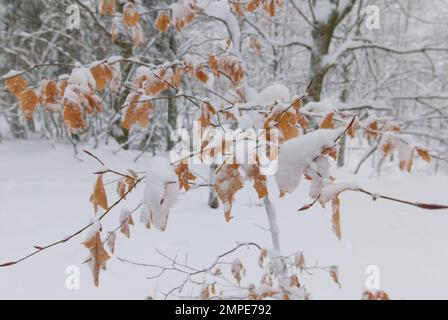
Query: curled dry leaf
x,y
228,182
16,84
334,274
259,181
266,279
184,176
207,112
28,101
130,15
424,154
375,295
183,14
253,5
72,116
121,188
136,111
262,257
125,226
163,21
102,74
131,179
98,197
237,270
49,95
295,281
336,217
107,7
205,293
213,64
299,260
111,241
232,66
201,75
327,123
98,256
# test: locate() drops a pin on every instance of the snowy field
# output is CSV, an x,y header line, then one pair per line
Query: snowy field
x,y
44,196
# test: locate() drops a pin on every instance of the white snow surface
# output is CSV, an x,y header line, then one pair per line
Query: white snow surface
x,y
296,154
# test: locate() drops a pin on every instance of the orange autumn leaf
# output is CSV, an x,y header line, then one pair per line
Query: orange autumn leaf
x,y
136,112
424,154
28,101
201,75
259,181
184,176
121,188
336,217
98,256
113,33
232,66
214,65
93,103
252,5
107,7
102,73
130,15
62,86
163,21
287,125
228,182
98,197
49,94
207,112
72,116
16,84
327,123
271,8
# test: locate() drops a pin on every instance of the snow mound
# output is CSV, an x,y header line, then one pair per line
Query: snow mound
x,y
296,154
161,192
272,94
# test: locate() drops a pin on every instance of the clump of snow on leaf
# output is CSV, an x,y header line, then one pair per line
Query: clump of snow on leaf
x,y
83,78
296,154
161,192
319,107
331,191
221,10
272,94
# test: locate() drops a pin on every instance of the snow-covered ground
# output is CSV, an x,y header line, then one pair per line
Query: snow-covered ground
x,y
44,196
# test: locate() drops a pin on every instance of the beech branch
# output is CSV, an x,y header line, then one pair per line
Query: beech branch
x,y
376,196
